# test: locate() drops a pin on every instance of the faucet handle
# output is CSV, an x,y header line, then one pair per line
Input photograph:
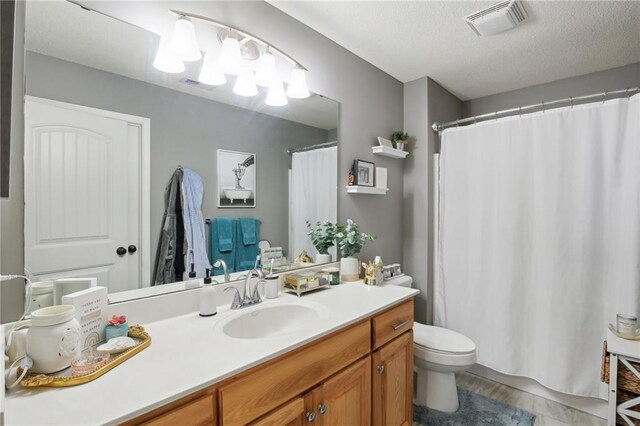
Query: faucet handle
x,y
255,296
237,301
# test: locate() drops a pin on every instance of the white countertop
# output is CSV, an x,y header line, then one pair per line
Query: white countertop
x,y
189,353
620,346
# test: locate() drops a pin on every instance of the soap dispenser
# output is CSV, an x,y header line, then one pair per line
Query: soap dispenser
x,y
208,306
192,282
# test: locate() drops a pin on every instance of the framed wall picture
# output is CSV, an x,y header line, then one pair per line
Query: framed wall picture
x,y
365,173
236,179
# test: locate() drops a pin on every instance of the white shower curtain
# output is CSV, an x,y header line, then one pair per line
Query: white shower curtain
x,y
314,182
539,244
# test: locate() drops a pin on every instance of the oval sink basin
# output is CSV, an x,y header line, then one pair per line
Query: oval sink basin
x,y
270,321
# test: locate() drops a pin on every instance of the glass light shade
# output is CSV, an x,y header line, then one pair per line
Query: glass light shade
x,y
298,84
245,83
230,57
183,41
211,73
266,70
166,60
275,95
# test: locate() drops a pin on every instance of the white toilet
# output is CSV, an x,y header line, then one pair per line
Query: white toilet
x,y
438,354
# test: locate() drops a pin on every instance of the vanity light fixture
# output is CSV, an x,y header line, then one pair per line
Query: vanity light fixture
x,y
275,95
298,84
239,49
211,71
183,41
166,60
245,83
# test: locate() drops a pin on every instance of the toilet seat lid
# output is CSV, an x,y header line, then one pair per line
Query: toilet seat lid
x,y
441,340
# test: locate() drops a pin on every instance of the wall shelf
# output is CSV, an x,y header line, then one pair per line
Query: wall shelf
x,y
354,189
385,151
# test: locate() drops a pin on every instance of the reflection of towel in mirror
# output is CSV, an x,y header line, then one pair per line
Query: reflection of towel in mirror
x,y
248,228
220,226
169,263
247,248
192,193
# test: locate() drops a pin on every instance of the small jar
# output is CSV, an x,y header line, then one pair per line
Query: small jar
x,y
626,325
119,330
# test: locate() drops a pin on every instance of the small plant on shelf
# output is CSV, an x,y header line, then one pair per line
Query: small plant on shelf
x,y
323,235
399,140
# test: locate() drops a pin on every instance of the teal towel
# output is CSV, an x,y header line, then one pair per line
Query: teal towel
x,y
225,234
215,253
249,234
246,253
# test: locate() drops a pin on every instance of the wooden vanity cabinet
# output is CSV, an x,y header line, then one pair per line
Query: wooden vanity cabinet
x,y
360,375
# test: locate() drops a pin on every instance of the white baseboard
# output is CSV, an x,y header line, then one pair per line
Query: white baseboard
x,y
594,406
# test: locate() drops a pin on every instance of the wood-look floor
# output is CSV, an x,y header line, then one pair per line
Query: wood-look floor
x,y
547,412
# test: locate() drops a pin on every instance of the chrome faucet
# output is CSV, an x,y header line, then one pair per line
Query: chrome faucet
x,y
221,263
247,298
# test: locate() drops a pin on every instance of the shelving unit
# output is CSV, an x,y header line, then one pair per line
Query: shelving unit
x,y
366,190
385,151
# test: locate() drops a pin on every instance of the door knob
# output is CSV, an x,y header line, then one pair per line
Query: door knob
x,y
132,249
121,251
381,369
311,416
322,408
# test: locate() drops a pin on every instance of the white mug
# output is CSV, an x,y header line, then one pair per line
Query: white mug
x,y
53,340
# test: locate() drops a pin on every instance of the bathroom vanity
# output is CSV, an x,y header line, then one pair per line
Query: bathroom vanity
x,y
350,363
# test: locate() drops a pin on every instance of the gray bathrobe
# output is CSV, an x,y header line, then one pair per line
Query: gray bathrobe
x,y
169,257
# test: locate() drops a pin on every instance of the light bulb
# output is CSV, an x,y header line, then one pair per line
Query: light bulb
x,y
275,95
210,73
298,84
245,83
183,41
166,60
230,57
266,70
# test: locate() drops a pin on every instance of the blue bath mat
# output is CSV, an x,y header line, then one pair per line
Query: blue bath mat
x,y
475,410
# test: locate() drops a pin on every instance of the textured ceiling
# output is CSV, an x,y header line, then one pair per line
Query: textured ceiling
x,y
63,30
413,39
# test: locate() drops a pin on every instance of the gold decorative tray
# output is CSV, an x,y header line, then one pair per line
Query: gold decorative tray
x,y
66,378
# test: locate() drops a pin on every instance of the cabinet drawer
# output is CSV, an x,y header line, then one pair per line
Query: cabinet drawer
x,y
197,413
265,388
392,323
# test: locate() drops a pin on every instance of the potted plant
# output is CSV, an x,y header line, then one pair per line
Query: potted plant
x,y
350,241
322,236
399,139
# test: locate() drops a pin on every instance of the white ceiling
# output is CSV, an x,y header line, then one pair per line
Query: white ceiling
x,y
66,31
413,39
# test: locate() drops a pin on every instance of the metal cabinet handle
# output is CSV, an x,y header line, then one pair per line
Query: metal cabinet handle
x,y
311,416
322,408
381,369
400,324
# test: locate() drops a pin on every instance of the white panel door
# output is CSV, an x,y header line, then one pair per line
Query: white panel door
x,y
80,196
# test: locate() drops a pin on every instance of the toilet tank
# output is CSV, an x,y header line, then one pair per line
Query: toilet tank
x,y
402,281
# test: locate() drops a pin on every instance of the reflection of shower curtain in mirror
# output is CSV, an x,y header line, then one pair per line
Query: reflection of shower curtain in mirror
x,y
540,238
314,196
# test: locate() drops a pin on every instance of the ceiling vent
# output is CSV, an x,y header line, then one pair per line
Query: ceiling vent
x,y
498,18
195,83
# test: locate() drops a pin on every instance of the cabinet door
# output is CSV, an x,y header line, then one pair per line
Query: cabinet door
x,y
393,382
345,399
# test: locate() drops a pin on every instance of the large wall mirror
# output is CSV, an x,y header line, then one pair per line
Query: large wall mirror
x,y
120,158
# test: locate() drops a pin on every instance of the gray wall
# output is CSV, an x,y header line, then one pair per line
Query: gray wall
x,y
613,79
371,105
424,101
11,225
187,130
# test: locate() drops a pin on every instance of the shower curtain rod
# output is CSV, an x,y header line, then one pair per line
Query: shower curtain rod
x,y
438,127
312,147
